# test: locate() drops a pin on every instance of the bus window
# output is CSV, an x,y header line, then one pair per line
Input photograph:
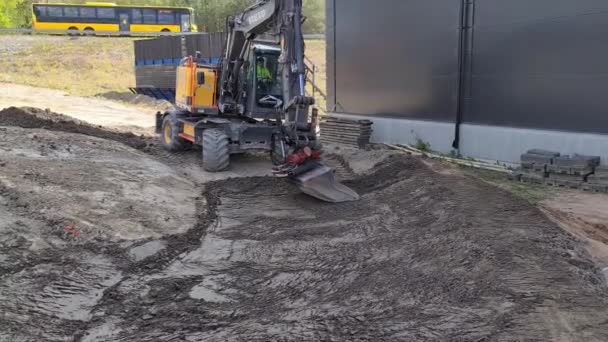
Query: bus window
x,y
55,12
70,12
136,17
166,17
87,12
40,11
106,13
149,16
185,23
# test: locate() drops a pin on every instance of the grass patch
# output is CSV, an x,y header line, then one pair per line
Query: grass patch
x,y
88,66
422,145
80,66
529,192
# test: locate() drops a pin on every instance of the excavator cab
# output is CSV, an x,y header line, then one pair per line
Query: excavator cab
x,y
263,82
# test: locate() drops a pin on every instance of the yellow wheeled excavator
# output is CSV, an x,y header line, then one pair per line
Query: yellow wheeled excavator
x,y
254,100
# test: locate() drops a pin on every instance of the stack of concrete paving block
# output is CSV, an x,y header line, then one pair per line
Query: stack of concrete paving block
x,y
353,133
551,168
598,182
571,171
534,165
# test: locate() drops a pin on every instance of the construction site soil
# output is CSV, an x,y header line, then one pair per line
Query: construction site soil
x,y
104,238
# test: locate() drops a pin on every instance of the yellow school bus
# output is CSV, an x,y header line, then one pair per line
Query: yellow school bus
x,y
108,17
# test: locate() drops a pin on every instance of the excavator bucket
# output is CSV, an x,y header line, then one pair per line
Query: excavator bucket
x,y
318,181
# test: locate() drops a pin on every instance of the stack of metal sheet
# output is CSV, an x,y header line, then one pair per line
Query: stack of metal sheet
x,y
598,182
352,133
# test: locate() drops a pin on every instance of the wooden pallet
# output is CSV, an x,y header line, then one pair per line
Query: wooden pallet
x,y
352,133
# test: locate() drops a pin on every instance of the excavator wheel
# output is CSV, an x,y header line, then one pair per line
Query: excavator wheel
x,y
170,138
216,152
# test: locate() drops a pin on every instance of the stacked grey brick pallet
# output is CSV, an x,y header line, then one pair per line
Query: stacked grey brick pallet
x,y
552,168
353,133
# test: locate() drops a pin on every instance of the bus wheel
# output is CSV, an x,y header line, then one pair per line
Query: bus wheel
x,y
89,31
72,31
165,30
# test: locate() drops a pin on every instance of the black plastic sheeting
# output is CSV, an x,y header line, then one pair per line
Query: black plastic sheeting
x,y
170,47
160,76
528,63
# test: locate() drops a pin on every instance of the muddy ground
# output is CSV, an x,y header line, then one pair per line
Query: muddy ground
x,y
102,241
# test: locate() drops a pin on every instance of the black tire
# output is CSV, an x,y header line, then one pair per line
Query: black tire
x,y
165,30
89,31
216,150
72,31
169,135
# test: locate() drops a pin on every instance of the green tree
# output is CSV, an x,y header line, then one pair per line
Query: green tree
x,y
314,10
23,14
7,8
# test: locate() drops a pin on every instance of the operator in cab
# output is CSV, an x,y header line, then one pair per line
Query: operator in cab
x,y
263,73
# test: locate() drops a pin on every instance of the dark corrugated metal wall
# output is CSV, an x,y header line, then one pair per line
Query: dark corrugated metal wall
x,y
377,70
532,63
540,64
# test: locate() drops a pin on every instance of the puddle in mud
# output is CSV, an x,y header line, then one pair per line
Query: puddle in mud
x,y
146,250
105,331
209,291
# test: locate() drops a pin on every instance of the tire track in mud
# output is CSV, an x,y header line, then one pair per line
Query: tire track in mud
x,y
56,279
280,266
173,246
340,166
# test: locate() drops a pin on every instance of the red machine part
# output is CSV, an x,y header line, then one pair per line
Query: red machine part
x,y
303,155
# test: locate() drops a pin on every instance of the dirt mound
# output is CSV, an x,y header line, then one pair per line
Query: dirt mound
x,y
27,117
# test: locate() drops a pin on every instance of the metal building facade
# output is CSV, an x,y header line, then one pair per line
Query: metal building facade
x,y
491,77
374,67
